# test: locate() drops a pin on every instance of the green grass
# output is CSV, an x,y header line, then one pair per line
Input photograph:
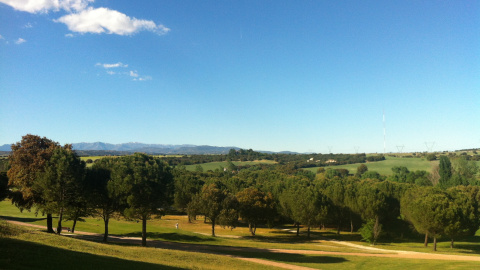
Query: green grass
x,y
42,248
385,167
39,250
223,164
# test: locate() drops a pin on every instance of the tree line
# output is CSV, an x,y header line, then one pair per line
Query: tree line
x,y
53,180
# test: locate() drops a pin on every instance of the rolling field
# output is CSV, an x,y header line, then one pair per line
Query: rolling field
x,y
385,167
46,251
220,165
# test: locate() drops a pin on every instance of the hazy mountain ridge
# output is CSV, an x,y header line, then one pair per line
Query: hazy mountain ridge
x,y
102,148
185,149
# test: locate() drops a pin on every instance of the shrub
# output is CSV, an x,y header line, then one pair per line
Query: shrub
x,y
7,229
371,230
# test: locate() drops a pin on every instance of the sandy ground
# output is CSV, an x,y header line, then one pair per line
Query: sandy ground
x,y
218,249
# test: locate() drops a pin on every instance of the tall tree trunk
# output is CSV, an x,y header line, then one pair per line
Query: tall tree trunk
x,y
254,228
451,243
144,231
74,224
298,229
59,224
105,234
50,223
213,227
425,244
351,225
308,232
338,228
434,243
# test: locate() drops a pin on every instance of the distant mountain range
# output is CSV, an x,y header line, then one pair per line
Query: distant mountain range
x,y
101,148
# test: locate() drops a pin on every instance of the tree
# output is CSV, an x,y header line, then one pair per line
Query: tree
x,y
428,210
370,231
370,204
462,213
4,192
305,205
187,184
218,205
361,170
148,183
60,183
27,159
445,171
255,206
105,198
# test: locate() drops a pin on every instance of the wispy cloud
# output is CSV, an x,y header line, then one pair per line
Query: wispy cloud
x,y
28,25
132,73
44,6
116,65
104,20
20,41
83,18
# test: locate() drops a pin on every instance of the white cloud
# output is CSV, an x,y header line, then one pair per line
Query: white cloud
x,y
116,65
133,73
43,6
28,25
1,37
70,35
104,20
20,41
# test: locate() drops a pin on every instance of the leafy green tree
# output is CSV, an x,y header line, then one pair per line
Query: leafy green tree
x,y
400,174
445,171
148,182
218,205
428,210
361,170
371,175
255,206
60,183
462,213
27,159
370,231
335,192
105,197
466,170
187,184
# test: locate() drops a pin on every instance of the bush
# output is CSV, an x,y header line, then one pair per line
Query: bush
x,y
431,157
371,230
7,229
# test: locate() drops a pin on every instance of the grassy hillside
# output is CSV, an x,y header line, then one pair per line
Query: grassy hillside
x,y
217,165
385,167
46,251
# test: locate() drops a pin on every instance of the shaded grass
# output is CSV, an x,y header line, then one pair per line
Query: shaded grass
x,y
46,251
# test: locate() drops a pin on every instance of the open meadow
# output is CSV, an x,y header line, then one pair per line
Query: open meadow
x,y
384,167
277,246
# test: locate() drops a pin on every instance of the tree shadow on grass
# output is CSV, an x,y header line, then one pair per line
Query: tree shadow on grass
x,y
22,219
291,258
19,254
174,237
281,239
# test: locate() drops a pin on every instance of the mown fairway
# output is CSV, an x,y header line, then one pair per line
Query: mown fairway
x,y
47,251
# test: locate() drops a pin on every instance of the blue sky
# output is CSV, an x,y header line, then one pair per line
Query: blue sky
x,y
306,76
